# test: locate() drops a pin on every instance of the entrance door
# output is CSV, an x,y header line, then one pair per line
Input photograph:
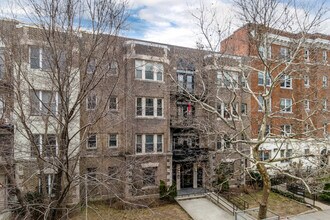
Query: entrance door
x,y
200,177
186,176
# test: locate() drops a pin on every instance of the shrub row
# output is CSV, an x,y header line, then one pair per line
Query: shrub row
x,y
288,195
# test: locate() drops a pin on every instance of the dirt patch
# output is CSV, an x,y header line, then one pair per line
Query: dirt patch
x,y
162,212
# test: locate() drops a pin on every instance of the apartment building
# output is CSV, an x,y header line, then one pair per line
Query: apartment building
x,y
152,112
295,67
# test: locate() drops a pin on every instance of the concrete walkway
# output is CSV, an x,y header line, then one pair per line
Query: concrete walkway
x,y
203,209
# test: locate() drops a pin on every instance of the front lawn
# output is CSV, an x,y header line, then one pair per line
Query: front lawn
x,y
281,205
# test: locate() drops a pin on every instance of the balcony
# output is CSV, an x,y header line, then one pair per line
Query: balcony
x,y
183,122
190,154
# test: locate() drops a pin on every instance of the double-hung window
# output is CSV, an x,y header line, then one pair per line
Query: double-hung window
x,y
149,176
261,103
324,104
284,53
91,102
306,55
185,80
44,102
286,82
146,70
227,79
40,58
264,79
286,130
149,143
112,138
324,55
45,145
227,110
91,141
306,105
50,184
149,107
2,63
306,81
286,105
113,104
324,81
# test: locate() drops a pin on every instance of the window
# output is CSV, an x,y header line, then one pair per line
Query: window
x,y
113,104
2,107
264,155
244,109
325,128
149,143
284,53
289,153
267,130
282,152
112,140
149,176
306,105
324,55
324,104
227,110
261,103
224,142
91,102
91,66
45,145
185,110
286,130
286,105
39,58
2,63
44,102
306,55
50,184
265,52
264,79
324,81
149,107
286,82
307,151
91,141
243,82
91,173
185,80
227,79
306,81
113,68
149,70
307,127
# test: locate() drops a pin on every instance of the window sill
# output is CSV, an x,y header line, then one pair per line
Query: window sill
x,y
150,80
150,187
152,153
149,117
290,88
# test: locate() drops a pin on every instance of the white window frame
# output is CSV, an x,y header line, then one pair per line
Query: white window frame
x,y
284,53
116,99
90,96
227,79
50,183
244,110
109,139
324,104
41,105
155,107
157,67
286,82
42,145
41,52
286,130
155,144
306,105
230,111
324,55
87,141
264,80
306,54
2,107
286,105
306,80
324,81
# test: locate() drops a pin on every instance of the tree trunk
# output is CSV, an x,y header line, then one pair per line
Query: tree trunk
x,y
263,207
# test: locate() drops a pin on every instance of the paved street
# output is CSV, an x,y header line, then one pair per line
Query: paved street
x,y
203,209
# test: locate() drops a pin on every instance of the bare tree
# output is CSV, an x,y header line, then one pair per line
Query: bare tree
x,y
56,63
274,50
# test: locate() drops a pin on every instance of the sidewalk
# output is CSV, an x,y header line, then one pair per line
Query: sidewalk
x,y
202,209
